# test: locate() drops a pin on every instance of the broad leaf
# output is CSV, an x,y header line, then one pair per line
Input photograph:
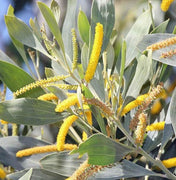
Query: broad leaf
x,y
9,147
30,112
83,27
15,78
37,174
103,12
125,169
142,74
62,163
102,150
22,33
157,54
173,110
4,57
136,33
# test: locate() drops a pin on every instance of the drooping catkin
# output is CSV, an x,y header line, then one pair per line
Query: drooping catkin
x,y
86,170
169,163
103,107
48,97
2,174
75,49
165,4
94,57
168,54
65,104
43,149
39,83
140,130
153,94
64,130
156,126
162,44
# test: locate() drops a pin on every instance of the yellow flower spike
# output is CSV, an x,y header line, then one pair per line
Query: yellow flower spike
x,y
133,104
169,163
75,49
84,136
63,131
3,122
140,131
93,61
2,174
156,126
36,150
48,97
162,44
43,149
156,108
63,86
168,54
165,4
65,104
39,83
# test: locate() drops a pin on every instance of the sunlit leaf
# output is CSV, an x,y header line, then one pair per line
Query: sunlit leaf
x,y
102,150
21,32
30,112
27,176
83,27
136,33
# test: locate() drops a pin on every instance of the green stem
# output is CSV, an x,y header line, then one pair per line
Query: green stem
x,y
157,163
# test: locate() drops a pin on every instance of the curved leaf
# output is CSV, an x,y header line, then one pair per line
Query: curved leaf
x,y
173,110
157,54
51,21
62,163
126,169
30,112
83,27
15,78
37,174
21,32
10,145
102,150
136,33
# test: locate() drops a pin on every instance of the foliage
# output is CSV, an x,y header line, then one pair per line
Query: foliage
x,y
106,100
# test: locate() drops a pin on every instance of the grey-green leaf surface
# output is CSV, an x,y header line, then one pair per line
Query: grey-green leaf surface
x,y
30,112
21,32
142,74
173,110
9,147
136,33
37,174
27,176
52,23
102,150
15,78
168,129
4,57
83,27
62,163
125,169
56,10
104,13
161,28
69,23
157,54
